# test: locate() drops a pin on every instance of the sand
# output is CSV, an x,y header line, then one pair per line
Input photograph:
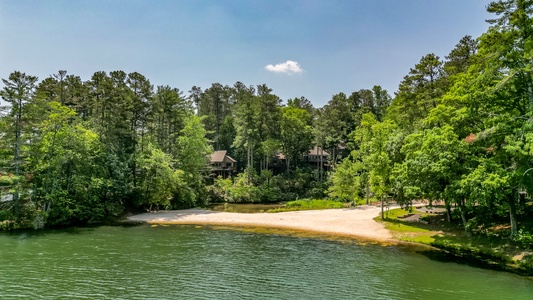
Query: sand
x,y
351,222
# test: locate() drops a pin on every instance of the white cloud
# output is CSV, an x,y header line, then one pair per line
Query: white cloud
x,y
288,67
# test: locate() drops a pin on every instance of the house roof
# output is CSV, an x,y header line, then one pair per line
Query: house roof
x,y
280,155
218,156
318,151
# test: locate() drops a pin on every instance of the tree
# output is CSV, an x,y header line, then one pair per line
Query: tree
x,y
269,116
167,113
498,91
302,103
336,121
158,179
246,122
192,159
418,92
347,181
216,103
440,155
373,138
296,133
461,57
18,91
320,131
141,94
69,176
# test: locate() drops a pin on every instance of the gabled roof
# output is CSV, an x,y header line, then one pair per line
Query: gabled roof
x,y
218,156
318,151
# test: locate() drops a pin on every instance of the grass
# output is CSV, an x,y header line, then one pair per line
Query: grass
x,y
485,250
314,204
407,231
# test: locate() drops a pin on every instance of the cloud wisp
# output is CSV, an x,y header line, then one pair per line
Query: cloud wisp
x,y
288,67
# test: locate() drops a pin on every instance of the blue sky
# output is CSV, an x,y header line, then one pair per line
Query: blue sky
x,y
333,46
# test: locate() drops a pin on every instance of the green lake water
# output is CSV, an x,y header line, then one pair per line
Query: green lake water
x,y
185,262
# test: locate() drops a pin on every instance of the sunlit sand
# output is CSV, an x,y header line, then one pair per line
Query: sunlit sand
x,y
353,222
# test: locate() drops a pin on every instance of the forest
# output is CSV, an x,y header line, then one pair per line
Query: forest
x,y
459,130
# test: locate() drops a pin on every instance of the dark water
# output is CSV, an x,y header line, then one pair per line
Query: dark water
x,y
175,262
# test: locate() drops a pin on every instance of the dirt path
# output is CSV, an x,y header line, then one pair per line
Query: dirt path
x,y
353,222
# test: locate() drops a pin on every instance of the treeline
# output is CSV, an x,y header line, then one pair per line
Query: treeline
x,y
459,130
76,151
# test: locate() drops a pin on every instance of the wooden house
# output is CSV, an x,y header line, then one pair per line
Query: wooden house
x,y
222,164
316,156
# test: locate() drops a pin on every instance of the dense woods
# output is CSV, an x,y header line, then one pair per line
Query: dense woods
x,y
84,152
459,129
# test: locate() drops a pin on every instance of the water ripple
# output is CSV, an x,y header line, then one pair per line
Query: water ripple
x,y
192,263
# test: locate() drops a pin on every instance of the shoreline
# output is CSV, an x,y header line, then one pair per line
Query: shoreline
x,y
355,223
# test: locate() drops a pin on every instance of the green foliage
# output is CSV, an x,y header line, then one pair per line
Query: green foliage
x,y
347,184
157,179
369,167
69,177
525,239
313,204
266,187
296,132
237,190
193,151
9,179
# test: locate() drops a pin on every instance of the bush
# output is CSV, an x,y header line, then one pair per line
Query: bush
x,y
527,264
525,239
28,216
309,205
266,187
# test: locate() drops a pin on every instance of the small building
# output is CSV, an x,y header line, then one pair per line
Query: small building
x,y
222,164
316,155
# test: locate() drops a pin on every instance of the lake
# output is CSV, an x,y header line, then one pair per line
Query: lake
x,y
188,262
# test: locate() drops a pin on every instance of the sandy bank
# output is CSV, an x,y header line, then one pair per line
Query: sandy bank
x,y
354,222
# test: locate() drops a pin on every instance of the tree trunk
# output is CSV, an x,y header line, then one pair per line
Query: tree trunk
x,y
448,211
512,217
382,212
334,157
367,193
251,157
468,230
18,132
321,165
248,163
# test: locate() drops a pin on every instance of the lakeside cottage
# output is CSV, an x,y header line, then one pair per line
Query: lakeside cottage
x,y
222,164
316,155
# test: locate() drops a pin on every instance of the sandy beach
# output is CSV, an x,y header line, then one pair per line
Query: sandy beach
x,y
351,222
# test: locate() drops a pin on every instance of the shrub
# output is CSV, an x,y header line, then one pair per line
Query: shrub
x,y
309,205
525,239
